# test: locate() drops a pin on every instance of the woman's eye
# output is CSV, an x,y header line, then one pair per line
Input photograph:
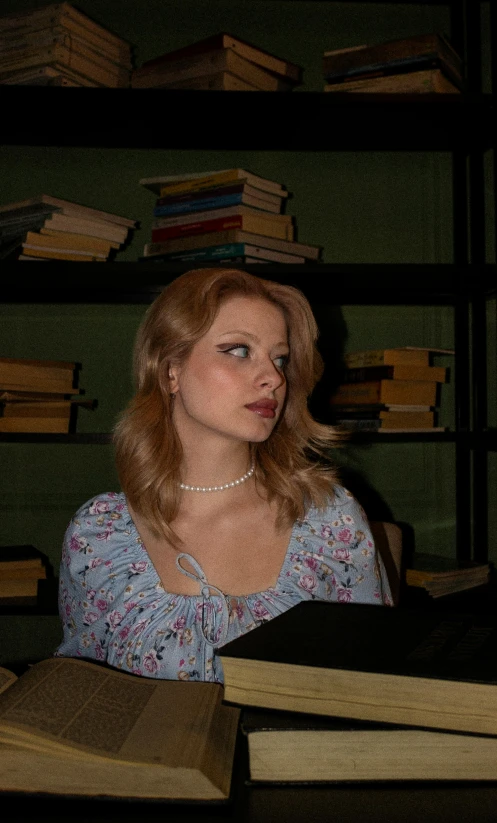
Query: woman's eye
x,y
238,351
281,361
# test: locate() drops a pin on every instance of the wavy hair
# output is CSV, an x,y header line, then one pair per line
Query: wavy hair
x,y
293,465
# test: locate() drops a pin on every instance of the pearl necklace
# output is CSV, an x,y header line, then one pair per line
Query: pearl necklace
x,y
231,485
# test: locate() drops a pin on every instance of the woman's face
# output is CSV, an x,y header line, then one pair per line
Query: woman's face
x,y
232,386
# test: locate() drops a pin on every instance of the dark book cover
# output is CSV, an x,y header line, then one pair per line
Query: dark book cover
x,y
370,638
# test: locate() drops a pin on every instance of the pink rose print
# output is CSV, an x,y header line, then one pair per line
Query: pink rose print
x,y
179,624
124,633
99,507
101,604
96,561
311,563
150,662
259,610
345,535
308,582
90,617
342,554
114,618
344,595
325,531
77,544
99,652
138,568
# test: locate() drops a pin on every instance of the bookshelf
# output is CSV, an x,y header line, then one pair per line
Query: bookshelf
x,y
302,122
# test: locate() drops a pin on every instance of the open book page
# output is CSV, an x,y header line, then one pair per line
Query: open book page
x,y
6,679
84,710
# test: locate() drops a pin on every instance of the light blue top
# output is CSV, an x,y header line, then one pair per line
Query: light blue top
x,y
114,607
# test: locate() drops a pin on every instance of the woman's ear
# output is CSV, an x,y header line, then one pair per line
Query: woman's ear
x,y
173,375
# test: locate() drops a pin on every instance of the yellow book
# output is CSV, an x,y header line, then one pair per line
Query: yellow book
x,y
209,179
80,728
31,250
71,240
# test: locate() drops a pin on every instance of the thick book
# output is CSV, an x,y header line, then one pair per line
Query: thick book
x,y
224,40
208,63
76,58
195,181
392,55
253,223
63,14
434,669
421,392
21,556
46,204
228,251
216,199
233,235
386,418
421,81
440,575
218,81
71,727
402,355
292,747
360,374
69,241
24,374
234,186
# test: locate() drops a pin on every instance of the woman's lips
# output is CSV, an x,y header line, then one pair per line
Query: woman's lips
x,y
264,408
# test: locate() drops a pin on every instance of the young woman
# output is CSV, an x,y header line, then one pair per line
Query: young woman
x,y
230,510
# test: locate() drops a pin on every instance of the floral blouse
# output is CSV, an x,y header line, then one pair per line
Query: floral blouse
x,y
114,607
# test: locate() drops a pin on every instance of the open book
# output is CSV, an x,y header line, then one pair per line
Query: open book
x,y
73,727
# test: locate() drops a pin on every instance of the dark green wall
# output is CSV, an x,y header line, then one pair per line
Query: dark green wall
x,y
362,207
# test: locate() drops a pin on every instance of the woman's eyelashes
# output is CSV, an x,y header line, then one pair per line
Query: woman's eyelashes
x,y
243,351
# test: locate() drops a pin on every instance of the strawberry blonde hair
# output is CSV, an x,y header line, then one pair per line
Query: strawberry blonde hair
x,y
292,465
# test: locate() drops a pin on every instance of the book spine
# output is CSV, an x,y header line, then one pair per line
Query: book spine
x,y
245,222
198,205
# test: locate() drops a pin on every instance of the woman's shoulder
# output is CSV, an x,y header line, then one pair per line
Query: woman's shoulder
x,y
102,515
341,505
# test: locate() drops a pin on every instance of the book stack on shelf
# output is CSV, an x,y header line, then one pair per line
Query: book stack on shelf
x,y
49,228
349,692
426,63
440,576
230,215
21,569
390,390
222,62
58,45
39,396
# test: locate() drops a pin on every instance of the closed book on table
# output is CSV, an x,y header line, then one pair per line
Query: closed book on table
x,y
361,374
196,181
292,747
405,355
433,669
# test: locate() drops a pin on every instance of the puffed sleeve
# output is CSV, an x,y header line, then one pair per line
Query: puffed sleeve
x,y
94,543
337,558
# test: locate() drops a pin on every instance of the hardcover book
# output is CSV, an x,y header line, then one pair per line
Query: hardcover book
x,y
71,727
432,669
289,747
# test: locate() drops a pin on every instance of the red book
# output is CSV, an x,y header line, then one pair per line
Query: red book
x,y
248,222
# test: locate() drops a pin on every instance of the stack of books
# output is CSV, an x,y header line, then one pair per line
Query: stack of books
x,y
230,215
39,396
390,390
58,45
426,63
347,692
440,576
21,567
49,228
222,62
